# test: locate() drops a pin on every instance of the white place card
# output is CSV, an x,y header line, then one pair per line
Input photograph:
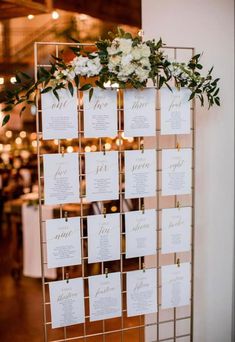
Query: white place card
x,y
103,237
176,229
63,242
61,178
105,296
67,302
141,292
139,112
59,118
175,111
141,235
175,285
100,113
140,173
176,171
102,181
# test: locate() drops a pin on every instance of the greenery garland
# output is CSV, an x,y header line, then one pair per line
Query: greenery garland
x,y
123,60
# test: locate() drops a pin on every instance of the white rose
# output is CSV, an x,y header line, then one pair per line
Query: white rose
x,y
126,71
112,50
93,67
145,50
141,74
145,62
136,53
115,60
71,75
79,61
126,59
124,45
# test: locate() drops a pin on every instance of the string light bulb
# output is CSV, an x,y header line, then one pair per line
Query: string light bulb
x,y
30,16
55,15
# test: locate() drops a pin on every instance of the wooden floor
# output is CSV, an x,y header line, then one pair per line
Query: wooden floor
x,y
21,310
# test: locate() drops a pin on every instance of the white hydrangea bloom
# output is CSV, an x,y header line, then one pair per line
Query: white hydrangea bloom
x,y
141,74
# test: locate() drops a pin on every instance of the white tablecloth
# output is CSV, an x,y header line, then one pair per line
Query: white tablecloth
x,y
31,241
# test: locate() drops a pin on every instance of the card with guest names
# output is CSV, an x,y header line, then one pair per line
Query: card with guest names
x,y
176,171
102,179
59,118
61,178
63,242
103,237
176,229
139,112
140,173
175,111
141,292
141,234
175,285
105,296
100,113
67,302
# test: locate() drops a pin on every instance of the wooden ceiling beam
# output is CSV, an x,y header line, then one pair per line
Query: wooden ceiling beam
x,y
118,11
28,4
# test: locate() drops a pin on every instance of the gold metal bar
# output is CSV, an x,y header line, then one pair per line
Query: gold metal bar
x,y
40,200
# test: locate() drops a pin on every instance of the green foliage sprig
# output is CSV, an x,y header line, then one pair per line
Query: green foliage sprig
x,y
121,60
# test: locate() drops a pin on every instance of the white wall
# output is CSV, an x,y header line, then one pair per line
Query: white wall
x,y
208,25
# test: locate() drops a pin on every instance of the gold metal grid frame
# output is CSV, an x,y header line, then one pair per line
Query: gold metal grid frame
x,y
165,325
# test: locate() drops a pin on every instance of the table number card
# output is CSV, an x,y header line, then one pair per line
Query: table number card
x,y
59,118
176,171
139,112
105,296
141,292
100,113
103,237
140,173
61,178
67,302
141,235
175,285
63,242
176,229
175,111
102,181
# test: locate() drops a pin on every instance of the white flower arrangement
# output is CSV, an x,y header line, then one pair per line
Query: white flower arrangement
x,y
124,60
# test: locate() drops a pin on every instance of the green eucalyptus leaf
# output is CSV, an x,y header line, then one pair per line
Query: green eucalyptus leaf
x,y
85,87
70,86
91,93
5,119
46,90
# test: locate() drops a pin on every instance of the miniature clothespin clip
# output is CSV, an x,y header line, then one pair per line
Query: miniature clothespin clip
x,y
144,268
104,150
142,208
142,147
67,278
178,146
62,150
178,205
104,212
66,216
178,262
106,271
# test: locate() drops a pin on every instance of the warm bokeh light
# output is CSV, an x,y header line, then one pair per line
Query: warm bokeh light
x,y
18,141
55,15
30,16
69,149
1,80
87,149
108,146
8,134
119,142
23,134
13,80
93,148
34,143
